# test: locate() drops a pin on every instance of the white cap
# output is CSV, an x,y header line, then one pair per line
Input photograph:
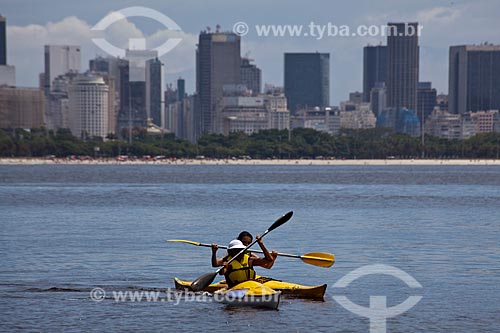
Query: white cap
x,y
235,244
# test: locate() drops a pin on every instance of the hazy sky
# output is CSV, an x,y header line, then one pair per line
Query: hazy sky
x,y
33,23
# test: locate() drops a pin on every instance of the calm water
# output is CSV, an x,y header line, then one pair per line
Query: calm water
x,y
67,229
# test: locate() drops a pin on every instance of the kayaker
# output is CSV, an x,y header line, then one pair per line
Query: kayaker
x,y
242,268
246,238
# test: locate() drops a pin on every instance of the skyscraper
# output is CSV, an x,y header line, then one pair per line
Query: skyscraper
x,y
140,89
474,78
307,80
3,41
88,107
59,60
7,73
181,128
251,76
403,64
374,68
181,89
132,101
155,99
218,62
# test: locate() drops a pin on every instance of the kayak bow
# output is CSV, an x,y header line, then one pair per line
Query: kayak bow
x,y
249,293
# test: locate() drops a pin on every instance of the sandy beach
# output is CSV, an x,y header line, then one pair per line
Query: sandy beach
x,y
113,161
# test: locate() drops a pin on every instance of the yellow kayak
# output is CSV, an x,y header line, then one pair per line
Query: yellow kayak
x,y
249,293
286,288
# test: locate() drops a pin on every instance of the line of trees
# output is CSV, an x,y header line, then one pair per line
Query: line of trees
x,y
374,143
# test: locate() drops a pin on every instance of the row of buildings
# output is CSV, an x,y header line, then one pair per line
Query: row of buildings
x,y
393,96
455,126
115,95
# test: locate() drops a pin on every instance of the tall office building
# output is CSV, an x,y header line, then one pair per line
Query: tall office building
x,y
132,101
374,68
402,62
218,62
3,41
59,60
180,110
88,107
474,78
140,89
307,80
155,99
181,89
426,100
7,73
251,76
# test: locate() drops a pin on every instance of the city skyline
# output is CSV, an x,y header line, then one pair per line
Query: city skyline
x,y
439,21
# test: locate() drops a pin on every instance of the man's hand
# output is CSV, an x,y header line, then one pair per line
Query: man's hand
x,y
214,247
224,270
259,239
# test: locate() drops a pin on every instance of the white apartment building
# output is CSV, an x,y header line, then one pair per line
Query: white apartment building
x,y
88,107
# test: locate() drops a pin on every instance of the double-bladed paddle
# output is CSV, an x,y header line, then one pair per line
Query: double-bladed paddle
x,y
314,258
204,281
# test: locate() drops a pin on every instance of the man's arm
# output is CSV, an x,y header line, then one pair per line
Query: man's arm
x,y
268,265
267,255
216,262
267,261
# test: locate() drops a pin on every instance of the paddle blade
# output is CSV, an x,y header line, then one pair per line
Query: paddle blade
x,y
184,241
319,259
282,220
203,281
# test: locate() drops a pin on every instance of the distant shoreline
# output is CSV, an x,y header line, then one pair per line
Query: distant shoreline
x,y
112,161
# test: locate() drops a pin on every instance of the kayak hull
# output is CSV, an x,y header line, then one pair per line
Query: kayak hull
x,y
286,288
249,293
